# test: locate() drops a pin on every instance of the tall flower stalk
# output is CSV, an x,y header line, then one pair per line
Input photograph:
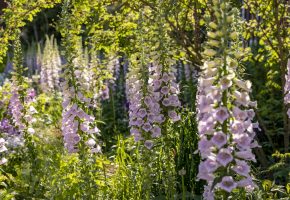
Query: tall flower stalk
x,y
153,106
79,128
287,88
22,113
78,124
21,99
50,66
153,99
225,111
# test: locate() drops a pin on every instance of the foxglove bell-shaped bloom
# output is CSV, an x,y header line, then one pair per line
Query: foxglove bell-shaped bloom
x,y
219,139
16,108
225,112
211,164
71,126
224,157
228,184
2,145
136,111
242,168
156,132
247,183
147,127
225,82
75,120
203,173
3,161
148,111
208,194
173,116
221,114
50,66
149,144
17,126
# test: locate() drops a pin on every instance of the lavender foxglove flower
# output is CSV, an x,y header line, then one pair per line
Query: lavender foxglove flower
x,y
227,184
224,111
219,139
3,161
74,120
147,112
12,136
242,168
2,145
148,144
224,157
114,68
156,131
50,66
165,92
76,123
17,126
135,96
208,194
16,109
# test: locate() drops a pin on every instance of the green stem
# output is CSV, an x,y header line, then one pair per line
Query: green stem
x,y
225,43
183,188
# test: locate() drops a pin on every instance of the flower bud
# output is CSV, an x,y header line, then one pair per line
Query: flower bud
x,y
217,14
234,35
211,35
215,2
239,54
223,5
212,25
214,43
229,19
220,33
209,52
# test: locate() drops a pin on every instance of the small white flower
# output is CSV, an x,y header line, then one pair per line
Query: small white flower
x,y
30,130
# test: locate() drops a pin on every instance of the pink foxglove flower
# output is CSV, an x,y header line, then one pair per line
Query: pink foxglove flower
x,y
219,139
156,131
147,127
203,173
149,144
242,168
50,66
78,124
148,111
225,112
224,157
221,114
228,184
247,183
211,164
2,145
208,194
74,121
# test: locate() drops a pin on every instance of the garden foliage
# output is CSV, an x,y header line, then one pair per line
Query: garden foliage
x,y
145,99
